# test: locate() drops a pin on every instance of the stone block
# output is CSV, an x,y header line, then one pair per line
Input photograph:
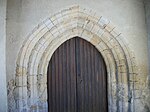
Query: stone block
x,y
33,91
38,29
114,32
121,55
88,25
42,79
102,46
81,22
41,33
32,79
56,33
33,55
95,40
106,37
114,54
18,70
65,12
82,15
95,29
49,24
54,30
55,22
94,18
31,36
100,32
123,78
103,22
113,42
121,61
44,38
21,80
35,70
65,18
24,71
20,92
110,27
42,89
53,18
87,35
37,47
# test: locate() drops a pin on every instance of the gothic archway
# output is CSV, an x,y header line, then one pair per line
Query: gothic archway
x,y
33,58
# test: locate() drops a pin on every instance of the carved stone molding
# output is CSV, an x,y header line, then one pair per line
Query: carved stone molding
x,y
36,51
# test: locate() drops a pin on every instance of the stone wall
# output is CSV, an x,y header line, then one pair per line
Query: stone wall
x,y
36,51
3,94
128,16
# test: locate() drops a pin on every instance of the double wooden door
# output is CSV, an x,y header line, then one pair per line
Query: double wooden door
x,y
77,78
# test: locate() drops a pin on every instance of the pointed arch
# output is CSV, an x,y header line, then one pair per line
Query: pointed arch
x,y
36,52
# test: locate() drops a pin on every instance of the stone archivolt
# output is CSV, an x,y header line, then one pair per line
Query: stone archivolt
x,y
31,70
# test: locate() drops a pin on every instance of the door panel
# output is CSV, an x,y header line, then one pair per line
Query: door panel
x,y
77,78
62,79
91,78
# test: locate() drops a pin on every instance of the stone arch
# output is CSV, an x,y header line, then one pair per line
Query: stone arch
x,y
31,66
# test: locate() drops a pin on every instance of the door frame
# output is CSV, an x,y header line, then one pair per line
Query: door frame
x,y
35,53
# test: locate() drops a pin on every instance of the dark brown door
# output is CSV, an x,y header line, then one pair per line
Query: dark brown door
x,y
77,78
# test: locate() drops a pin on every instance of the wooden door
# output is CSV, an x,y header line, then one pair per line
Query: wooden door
x,y
77,79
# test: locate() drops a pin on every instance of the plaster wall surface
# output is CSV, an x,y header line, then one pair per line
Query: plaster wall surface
x,y
127,15
3,94
147,10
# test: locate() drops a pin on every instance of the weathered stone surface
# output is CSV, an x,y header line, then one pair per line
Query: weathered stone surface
x,y
11,96
33,58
